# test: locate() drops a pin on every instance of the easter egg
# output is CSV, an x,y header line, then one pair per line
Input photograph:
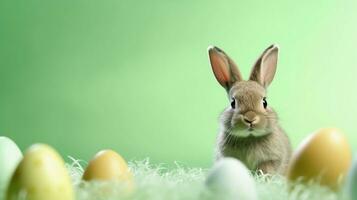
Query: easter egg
x,y
107,165
230,179
324,157
10,156
41,175
352,181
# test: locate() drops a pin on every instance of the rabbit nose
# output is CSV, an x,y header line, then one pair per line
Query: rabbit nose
x,y
250,117
248,121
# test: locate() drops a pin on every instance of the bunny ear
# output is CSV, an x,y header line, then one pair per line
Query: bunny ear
x,y
264,69
224,69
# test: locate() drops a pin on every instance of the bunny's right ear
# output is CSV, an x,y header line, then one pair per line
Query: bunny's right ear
x,y
224,69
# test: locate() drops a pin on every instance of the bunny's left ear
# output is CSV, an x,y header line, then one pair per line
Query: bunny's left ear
x,y
264,69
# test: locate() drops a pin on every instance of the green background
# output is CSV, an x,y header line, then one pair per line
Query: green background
x,y
134,76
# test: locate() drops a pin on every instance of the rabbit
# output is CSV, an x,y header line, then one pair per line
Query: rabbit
x,y
249,129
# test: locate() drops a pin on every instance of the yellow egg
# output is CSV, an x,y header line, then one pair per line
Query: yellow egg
x,y
107,165
40,175
324,156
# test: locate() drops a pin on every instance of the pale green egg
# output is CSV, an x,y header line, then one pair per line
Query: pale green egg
x,y
41,175
230,179
10,156
352,181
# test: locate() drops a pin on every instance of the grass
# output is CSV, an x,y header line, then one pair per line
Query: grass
x,y
157,182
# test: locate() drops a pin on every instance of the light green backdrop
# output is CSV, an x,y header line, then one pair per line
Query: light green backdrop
x,y
134,75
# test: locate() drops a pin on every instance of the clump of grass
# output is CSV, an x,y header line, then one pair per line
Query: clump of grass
x,y
160,183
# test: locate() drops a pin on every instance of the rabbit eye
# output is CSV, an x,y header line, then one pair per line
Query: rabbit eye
x,y
233,103
265,103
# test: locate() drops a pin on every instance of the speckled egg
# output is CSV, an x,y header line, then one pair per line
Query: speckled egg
x,y
10,156
324,157
41,175
230,179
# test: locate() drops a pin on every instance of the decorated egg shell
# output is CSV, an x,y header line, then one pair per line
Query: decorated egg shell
x,y
41,175
10,156
230,179
323,157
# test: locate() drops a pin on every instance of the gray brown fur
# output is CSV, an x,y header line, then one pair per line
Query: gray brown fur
x,y
250,132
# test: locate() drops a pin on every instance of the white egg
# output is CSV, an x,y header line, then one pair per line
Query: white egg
x,y
352,181
230,179
10,156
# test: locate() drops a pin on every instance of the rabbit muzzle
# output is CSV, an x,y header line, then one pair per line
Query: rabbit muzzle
x,y
248,124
